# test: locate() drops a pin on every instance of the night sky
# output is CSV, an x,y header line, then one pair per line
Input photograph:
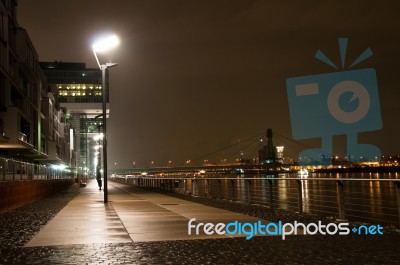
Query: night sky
x,y
194,77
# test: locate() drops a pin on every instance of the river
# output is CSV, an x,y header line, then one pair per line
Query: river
x,y
366,197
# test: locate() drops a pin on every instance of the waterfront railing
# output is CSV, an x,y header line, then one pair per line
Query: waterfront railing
x,y
12,170
342,198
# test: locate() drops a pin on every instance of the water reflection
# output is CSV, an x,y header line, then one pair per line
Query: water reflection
x,y
305,195
369,201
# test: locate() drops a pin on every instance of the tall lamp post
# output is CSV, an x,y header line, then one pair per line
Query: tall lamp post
x,y
103,45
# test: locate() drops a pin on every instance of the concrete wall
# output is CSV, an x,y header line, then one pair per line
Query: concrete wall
x,y
17,193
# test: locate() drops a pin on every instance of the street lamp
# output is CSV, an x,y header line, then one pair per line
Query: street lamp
x,y
103,45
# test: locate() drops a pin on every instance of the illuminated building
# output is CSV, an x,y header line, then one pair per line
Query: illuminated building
x,y
80,91
279,153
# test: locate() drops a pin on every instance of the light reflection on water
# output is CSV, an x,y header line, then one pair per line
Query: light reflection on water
x,y
368,201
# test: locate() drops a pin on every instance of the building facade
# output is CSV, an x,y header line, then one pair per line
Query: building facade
x,y
80,93
33,134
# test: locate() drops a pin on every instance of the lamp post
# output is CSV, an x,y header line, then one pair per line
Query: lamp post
x,y
103,45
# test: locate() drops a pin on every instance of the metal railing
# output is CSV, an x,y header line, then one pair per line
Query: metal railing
x,y
11,169
372,200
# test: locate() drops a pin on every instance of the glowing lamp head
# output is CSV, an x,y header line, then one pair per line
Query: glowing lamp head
x,y
105,44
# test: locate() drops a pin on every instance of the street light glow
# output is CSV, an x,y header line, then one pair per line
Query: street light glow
x,y
105,44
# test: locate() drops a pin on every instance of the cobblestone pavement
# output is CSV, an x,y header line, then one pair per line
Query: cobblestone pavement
x,y
18,226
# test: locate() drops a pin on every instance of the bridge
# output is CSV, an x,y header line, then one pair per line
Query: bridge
x,y
220,169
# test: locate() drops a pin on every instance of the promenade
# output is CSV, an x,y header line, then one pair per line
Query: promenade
x,y
143,227
139,216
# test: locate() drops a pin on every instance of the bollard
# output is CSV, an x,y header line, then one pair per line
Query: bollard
x,y
300,195
340,200
271,196
398,198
